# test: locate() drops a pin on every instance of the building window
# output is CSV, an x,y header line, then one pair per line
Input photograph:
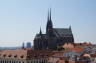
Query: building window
x,y
9,55
15,56
22,56
4,55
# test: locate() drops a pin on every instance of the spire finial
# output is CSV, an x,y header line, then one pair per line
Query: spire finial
x,y
50,13
70,27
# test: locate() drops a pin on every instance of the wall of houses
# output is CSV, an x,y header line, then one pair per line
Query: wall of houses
x,y
4,60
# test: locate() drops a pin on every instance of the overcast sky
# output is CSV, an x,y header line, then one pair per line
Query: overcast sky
x,y
20,20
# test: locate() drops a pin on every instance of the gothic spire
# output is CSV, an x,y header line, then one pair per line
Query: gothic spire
x,y
40,31
48,17
70,27
50,14
49,21
49,26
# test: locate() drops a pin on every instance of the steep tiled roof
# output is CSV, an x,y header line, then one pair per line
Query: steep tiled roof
x,y
25,54
78,50
20,54
61,32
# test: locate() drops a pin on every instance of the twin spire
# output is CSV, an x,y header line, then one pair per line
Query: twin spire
x,y
49,15
49,21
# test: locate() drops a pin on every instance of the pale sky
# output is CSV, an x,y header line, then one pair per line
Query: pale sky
x,y
20,20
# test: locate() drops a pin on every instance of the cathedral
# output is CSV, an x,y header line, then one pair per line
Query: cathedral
x,y
53,37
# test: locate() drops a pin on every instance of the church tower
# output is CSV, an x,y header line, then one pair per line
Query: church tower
x,y
49,27
53,37
49,31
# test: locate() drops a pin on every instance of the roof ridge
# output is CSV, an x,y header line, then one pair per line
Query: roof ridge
x,y
60,28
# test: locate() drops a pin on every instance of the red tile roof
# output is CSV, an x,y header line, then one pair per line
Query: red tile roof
x,y
25,54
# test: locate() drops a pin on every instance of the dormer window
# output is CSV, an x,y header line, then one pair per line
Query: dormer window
x,y
35,56
9,55
4,55
15,56
22,56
